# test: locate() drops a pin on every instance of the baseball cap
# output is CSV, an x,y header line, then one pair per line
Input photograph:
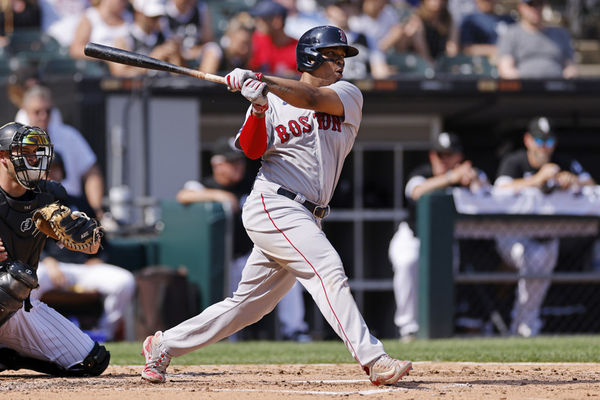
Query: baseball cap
x,y
268,8
539,127
150,8
225,150
447,142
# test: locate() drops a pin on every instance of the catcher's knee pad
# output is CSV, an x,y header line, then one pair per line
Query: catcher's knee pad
x,y
93,365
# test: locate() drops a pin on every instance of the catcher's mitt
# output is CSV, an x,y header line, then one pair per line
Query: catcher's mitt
x,y
75,230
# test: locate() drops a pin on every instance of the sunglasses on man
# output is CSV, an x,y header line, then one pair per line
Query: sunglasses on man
x,y
550,142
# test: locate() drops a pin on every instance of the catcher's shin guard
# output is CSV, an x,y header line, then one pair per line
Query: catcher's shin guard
x,y
11,360
93,365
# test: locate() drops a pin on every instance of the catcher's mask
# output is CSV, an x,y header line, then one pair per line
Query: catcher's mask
x,y
30,152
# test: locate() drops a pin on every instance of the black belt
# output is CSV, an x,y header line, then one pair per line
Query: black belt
x,y
316,210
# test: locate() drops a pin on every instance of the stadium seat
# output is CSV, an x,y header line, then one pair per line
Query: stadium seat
x,y
222,11
66,66
34,44
467,66
410,65
5,68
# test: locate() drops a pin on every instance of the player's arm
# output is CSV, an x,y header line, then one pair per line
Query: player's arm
x,y
187,196
297,93
507,68
302,95
94,189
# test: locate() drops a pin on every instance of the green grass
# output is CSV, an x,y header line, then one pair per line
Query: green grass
x,y
540,349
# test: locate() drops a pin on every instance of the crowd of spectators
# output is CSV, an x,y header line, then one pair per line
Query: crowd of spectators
x,y
516,37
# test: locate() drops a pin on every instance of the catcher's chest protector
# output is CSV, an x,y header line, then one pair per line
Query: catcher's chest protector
x,y
17,228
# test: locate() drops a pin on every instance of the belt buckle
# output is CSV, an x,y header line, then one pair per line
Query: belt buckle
x,y
321,212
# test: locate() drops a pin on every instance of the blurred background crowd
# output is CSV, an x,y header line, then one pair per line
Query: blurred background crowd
x,y
397,38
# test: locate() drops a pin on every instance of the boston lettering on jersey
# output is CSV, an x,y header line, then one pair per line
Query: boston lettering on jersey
x,y
302,125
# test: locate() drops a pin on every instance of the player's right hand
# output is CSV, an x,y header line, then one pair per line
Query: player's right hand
x,y
236,78
548,171
3,252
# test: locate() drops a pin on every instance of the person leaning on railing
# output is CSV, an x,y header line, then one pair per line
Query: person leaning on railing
x,y
535,166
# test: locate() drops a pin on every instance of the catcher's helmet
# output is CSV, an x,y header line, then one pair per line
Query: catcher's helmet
x,y
308,57
30,152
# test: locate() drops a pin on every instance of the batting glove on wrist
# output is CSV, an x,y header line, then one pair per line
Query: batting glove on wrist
x,y
254,91
236,78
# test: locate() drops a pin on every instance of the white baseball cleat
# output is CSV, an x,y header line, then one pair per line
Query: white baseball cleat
x,y
387,370
156,361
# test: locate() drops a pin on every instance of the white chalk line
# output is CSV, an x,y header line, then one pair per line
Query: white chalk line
x,y
314,392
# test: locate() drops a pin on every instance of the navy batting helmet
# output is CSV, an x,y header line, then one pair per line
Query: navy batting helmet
x,y
308,57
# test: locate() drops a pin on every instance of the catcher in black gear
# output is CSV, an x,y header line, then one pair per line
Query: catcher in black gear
x,y
33,335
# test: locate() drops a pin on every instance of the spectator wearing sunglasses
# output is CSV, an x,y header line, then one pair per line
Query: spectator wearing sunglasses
x,y
535,166
531,49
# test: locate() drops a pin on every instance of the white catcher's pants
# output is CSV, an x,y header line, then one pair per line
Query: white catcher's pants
x,y
529,257
116,284
289,245
44,334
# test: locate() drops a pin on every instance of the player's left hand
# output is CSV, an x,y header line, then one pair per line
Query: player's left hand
x,y
236,78
566,179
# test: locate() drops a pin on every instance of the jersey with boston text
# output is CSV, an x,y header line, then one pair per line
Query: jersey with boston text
x,y
306,149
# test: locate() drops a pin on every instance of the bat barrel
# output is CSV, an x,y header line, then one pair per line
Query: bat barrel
x,y
121,56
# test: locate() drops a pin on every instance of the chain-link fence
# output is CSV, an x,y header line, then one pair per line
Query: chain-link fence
x,y
524,275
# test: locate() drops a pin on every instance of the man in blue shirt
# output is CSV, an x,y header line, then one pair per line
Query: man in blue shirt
x,y
480,30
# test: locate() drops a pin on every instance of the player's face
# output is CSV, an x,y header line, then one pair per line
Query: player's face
x,y
540,150
230,172
333,67
434,5
442,162
486,6
532,12
38,111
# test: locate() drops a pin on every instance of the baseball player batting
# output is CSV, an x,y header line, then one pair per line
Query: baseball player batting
x,y
303,130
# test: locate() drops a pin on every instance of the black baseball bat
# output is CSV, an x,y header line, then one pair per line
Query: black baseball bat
x,y
121,56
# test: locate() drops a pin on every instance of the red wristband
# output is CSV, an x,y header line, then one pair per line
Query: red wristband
x,y
260,109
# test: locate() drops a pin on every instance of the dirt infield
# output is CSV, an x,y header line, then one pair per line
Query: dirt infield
x,y
267,382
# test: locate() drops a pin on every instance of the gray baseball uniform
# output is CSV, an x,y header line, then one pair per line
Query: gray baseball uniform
x,y
305,155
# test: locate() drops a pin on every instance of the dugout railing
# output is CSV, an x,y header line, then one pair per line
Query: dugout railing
x,y
476,295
